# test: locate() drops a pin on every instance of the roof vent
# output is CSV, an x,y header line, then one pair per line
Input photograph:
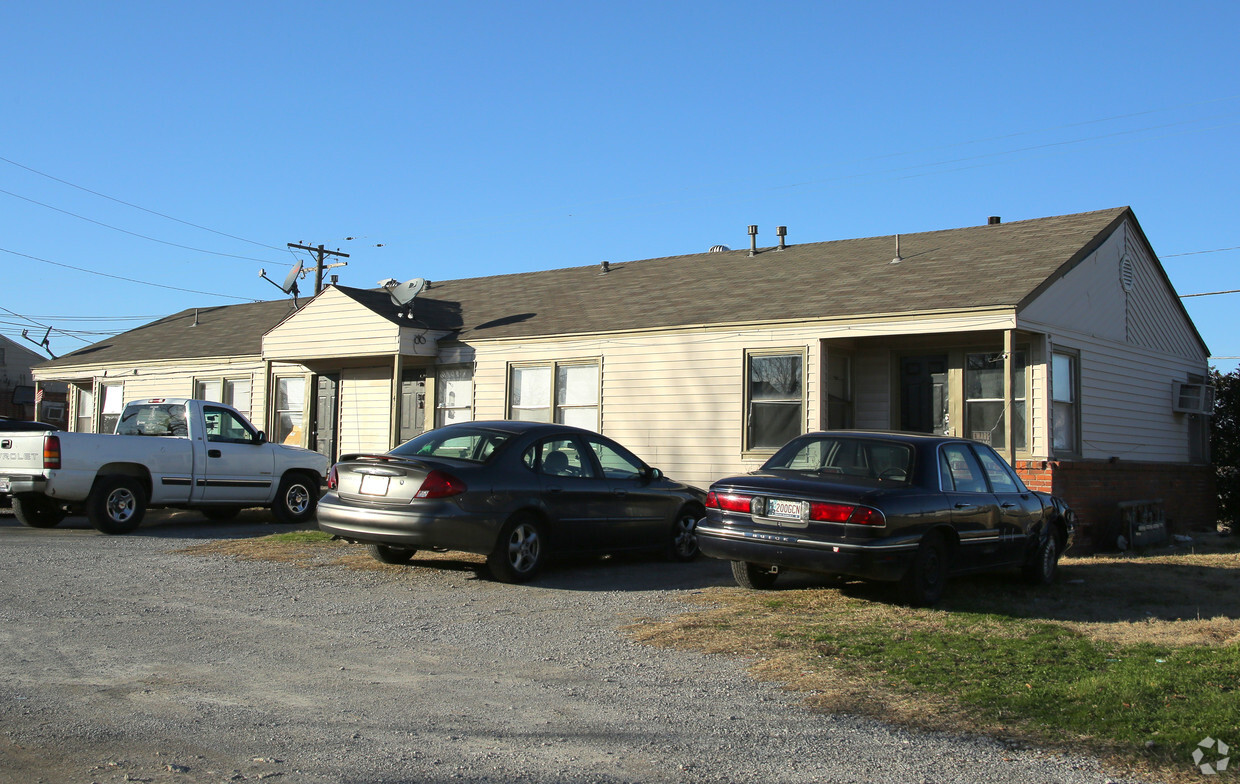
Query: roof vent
x,y
1127,275
604,267
994,220
753,240
719,249
781,232
898,257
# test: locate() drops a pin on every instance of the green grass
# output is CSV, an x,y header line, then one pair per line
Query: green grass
x,y
297,537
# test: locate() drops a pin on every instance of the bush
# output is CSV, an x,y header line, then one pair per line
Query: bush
x,y
1225,443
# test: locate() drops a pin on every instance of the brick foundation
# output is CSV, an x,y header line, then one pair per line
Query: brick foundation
x,y
1095,488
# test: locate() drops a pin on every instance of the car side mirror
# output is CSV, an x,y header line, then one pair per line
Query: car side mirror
x,y
262,439
652,475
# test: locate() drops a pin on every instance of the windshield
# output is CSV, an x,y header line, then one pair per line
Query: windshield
x,y
864,458
475,445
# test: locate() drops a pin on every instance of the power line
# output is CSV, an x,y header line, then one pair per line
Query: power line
x,y
1195,252
1210,293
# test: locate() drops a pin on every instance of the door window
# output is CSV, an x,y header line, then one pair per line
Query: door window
x,y
959,470
617,464
564,457
1002,478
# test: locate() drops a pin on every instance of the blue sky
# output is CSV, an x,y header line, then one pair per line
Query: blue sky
x,y
183,145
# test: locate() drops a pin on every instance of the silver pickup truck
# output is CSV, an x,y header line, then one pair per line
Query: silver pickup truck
x,y
166,452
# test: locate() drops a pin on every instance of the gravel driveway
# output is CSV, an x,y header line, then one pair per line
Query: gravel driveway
x,y
124,659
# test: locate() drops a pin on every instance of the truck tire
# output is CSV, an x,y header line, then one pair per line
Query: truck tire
x,y
296,499
37,511
116,504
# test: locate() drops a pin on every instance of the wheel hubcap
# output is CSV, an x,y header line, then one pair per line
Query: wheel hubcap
x,y
120,505
297,499
686,535
523,547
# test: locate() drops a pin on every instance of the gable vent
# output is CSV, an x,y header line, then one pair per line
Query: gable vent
x,y
1127,275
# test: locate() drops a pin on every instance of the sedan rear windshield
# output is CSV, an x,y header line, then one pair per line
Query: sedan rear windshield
x,y
474,445
863,458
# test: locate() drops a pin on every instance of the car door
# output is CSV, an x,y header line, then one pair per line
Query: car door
x,y
974,510
1019,509
639,513
577,498
237,467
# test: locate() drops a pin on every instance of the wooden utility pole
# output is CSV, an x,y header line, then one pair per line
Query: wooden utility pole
x,y
319,266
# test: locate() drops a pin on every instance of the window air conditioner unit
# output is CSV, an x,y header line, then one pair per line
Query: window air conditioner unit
x,y
1192,398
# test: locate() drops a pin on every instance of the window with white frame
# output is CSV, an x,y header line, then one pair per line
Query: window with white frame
x,y
774,398
84,407
290,405
110,408
563,392
984,404
235,392
1065,409
454,395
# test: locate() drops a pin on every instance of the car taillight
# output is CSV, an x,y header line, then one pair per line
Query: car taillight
x,y
333,478
440,484
823,512
51,451
730,502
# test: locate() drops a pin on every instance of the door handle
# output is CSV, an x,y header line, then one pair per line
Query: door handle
x,y
964,506
214,453
1007,505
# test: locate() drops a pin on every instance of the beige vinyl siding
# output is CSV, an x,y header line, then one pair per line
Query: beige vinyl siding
x,y
333,326
872,376
1155,319
365,409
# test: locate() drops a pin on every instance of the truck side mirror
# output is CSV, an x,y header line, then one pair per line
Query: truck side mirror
x,y
261,439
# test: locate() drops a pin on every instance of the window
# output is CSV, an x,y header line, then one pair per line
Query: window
x,y
959,471
153,419
573,386
473,445
773,399
983,412
1065,421
1002,478
224,426
290,408
234,392
616,464
564,457
85,407
454,395
113,402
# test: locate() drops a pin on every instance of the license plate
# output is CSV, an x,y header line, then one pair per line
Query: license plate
x,y
788,510
374,485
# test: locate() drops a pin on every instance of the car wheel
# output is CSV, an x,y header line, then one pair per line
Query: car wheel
x,y
684,545
391,555
755,577
296,499
923,583
220,513
1041,568
116,505
520,551
37,511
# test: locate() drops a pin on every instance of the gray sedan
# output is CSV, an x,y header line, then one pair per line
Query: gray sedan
x,y
512,491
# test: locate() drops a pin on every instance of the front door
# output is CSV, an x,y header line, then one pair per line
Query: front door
x,y
323,438
923,394
412,404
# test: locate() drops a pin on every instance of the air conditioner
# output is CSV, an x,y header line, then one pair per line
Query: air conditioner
x,y
1192,398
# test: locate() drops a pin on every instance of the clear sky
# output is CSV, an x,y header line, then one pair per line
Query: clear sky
x,y
157,155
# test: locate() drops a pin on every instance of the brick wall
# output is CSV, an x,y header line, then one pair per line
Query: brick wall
x,y
1095,488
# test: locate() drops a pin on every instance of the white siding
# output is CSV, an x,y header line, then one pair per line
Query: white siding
x,y
365,409
332,326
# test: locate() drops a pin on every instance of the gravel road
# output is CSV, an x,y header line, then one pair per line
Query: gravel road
x,y
124,659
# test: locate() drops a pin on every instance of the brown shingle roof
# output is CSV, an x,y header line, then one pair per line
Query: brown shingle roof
x,y
1005,264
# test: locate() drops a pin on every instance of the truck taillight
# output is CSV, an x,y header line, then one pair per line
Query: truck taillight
x,y
51,451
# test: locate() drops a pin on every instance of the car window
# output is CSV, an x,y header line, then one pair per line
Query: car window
x,y
223,425
1002,478
959,470
564,457
616,463
156,419
474,445
864,458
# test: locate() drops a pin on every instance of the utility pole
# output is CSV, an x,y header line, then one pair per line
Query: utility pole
x,y
319,266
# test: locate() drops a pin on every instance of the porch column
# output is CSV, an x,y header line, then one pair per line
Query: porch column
x,y
1009,405
398,369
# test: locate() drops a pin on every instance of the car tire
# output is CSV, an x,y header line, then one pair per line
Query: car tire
x,y
520,551
220,513
1044,562
684,544
116,505
37,511
923,583
296,499
397,556
755,577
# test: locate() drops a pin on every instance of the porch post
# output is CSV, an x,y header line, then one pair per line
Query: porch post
x,y
394,412
1009,429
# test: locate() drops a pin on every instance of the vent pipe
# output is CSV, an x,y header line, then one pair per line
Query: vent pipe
x,y
898,257
993,220
604,267
753,240
781,232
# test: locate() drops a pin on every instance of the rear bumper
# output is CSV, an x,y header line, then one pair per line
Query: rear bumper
x,y
877,560
427,525
16,484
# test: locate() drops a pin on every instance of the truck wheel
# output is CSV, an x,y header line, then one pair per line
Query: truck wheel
x,y
116,505
296,499
37,511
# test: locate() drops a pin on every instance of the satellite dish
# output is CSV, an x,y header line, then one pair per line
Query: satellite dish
x,y
290,282
402,294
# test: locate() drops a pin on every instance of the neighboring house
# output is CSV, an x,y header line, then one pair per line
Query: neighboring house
x,y
1059,341
18,398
